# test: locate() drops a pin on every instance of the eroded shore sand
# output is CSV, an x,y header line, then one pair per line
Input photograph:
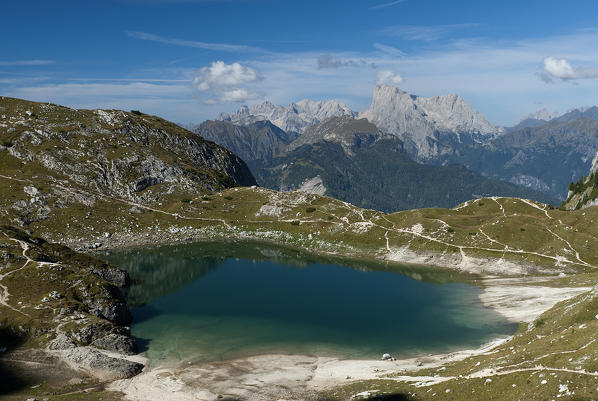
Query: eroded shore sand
x,y
285,377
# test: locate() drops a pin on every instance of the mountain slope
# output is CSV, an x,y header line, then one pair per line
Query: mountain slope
x,y
257,140
351,160
545,158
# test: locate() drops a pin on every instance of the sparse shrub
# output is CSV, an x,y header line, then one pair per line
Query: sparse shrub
x,y
450,230
540,322
228,197
330,217
310,209
7,144
472,233
295,222
480,203
186,200
206,198
522,229
136,112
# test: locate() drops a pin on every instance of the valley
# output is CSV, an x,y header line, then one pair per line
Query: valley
x,y
532,261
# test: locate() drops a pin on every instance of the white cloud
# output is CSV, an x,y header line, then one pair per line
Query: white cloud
x,y
328,61
223,82
388,77
391,51
385,5
238,95
224,47
426,33
26,62
560,68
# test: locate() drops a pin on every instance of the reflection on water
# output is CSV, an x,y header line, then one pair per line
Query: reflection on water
x,y
210,301
162,270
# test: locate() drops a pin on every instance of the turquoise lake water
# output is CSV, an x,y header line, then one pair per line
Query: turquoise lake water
x,y
215,301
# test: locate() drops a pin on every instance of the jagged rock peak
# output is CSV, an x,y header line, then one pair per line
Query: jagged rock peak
x,y
406,112
295,117
542,114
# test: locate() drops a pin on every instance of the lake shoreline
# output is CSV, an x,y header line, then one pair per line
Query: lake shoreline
x,y
270,375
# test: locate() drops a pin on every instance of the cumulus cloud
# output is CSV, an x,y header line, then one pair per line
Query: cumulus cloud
x,y
388,77
326,61
560,68
223,82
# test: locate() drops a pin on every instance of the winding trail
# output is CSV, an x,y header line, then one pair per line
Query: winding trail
x,y
461,248
4,294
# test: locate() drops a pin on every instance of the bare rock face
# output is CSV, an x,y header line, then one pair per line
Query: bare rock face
x,y
296,117
424,124
594,167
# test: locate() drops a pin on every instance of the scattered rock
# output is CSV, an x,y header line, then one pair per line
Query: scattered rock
x,y
101,365
31,191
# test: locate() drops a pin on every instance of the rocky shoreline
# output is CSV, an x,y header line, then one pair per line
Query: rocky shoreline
x,y
64,305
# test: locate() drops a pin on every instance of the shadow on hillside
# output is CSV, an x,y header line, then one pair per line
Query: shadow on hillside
x,y
11,379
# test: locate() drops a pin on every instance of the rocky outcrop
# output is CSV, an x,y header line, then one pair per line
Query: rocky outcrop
x,y
66,305
427,125
584,192
295,117
127,155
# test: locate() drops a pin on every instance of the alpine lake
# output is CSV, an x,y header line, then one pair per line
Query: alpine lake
x,y
213,301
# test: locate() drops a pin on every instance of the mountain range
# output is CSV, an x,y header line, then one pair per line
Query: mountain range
x,y
295,117
353,160
438,131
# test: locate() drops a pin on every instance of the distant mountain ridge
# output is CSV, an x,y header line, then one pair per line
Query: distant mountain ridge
x,y
428,126
544,152
354,161
256,140
546,157
295,117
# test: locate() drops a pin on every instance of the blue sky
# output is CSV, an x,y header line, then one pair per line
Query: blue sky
x,y
187,60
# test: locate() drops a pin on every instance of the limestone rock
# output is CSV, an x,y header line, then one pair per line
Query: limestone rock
x,y
295,117
419,121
